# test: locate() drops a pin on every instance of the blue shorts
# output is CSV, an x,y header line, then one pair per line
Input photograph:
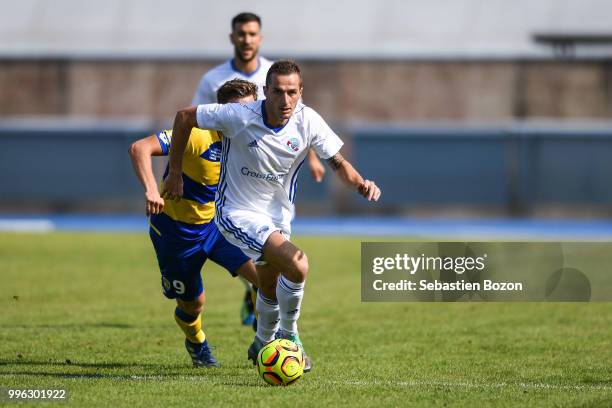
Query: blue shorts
x,y
181,256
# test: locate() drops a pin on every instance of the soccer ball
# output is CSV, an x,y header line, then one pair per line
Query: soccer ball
x,y
280,362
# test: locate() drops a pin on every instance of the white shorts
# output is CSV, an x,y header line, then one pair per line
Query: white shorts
x,y
247,230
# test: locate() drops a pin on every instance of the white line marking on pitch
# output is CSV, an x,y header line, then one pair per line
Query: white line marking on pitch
x,y
18,225
475,385
404,383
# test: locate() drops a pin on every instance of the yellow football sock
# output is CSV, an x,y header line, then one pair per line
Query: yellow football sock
x,y
190,325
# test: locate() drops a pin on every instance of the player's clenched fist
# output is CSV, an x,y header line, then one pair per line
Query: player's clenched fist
x,y
369,190
173,187
154,203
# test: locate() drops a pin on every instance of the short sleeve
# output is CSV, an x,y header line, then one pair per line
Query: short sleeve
x,y
165,138
324,140
229,118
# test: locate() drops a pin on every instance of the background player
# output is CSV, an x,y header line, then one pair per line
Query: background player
x,y
246,64
182,232
257,187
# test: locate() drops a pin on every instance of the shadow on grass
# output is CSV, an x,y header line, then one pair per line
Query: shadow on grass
x,y
70,325
214,377
61,375
138,372
69,363
102,365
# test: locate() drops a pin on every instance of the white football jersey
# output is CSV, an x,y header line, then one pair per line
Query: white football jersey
x,y
260,164
213,79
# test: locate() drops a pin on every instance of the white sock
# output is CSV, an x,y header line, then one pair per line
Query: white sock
x,y
267,321
289,295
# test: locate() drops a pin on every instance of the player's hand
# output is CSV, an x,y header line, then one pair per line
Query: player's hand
x,y
317,170
154,203
173,187
369,190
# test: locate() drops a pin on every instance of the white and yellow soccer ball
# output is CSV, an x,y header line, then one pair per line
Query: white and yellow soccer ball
x,y
280,362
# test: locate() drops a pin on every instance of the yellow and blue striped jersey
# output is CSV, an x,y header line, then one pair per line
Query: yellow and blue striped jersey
x,y
201,167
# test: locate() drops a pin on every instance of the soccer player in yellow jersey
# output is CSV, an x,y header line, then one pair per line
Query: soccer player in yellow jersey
x,y
183,232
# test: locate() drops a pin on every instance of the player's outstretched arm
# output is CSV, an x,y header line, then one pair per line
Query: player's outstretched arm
x,y
184,121
140,152
352,178
316,167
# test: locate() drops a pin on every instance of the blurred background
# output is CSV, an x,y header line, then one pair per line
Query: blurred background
x,y
468,113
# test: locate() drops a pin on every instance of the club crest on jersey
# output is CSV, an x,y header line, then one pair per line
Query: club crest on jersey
x,y
293,145
213,153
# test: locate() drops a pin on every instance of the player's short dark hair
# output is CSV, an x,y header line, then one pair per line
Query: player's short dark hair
x,y
236,88
283,67
244,18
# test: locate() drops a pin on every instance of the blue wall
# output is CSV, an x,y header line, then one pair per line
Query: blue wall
x,y
77,162
512,168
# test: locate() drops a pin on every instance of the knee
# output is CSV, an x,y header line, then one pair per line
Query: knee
x,y
196,310
299,267
194,307
191,309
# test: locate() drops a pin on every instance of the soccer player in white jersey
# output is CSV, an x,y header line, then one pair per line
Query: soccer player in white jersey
x,y
264,146
248,65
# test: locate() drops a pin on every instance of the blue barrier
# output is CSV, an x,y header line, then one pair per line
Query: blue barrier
x,y
513,168
72,162
516,167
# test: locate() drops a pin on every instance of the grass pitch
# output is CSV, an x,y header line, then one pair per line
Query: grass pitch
x,y
84,312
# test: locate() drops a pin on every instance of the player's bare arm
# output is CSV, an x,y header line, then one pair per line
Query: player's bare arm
x,y
140,153
352,178
184,121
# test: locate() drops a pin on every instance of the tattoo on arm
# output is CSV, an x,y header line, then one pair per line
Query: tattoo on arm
x,y
335,161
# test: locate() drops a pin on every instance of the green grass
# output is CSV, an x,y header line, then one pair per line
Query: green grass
x,y
85,312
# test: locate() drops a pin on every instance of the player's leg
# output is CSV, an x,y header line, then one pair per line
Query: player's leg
x,y
250,232
180,265
292,265
267,309
188,316
248,276
233,259
246,271
225,254
247,308
188,313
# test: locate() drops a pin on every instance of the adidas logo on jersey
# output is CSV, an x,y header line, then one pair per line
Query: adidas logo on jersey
x,y
253,144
